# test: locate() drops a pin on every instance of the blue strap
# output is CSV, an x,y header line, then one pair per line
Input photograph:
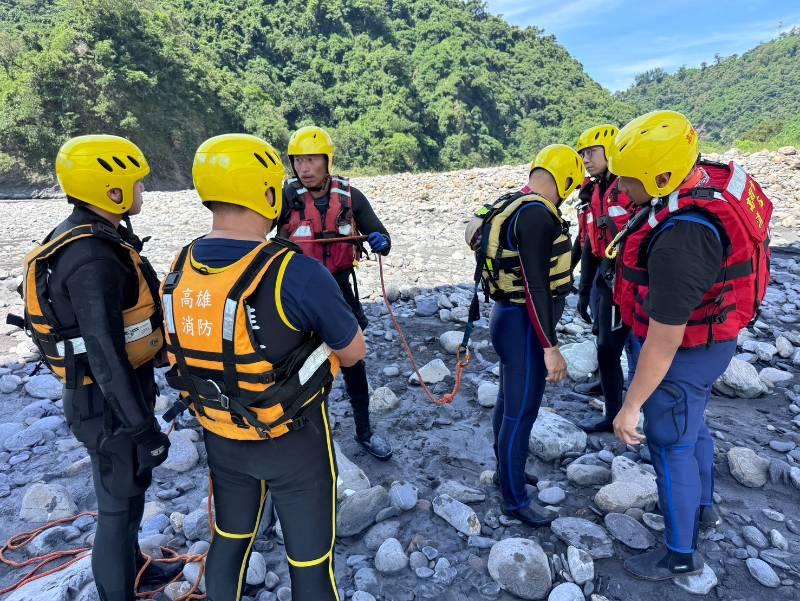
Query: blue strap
x,y
692,217
513,222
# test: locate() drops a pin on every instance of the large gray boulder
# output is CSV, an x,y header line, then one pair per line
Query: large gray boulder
x,y
553,436
520,566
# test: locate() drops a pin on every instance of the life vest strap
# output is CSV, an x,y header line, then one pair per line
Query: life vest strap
x,y
732,272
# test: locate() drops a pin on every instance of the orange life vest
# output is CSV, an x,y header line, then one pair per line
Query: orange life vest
x,y
217,364
60,347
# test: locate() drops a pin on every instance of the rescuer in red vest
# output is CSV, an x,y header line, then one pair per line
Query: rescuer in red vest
x,y
694,267
322,205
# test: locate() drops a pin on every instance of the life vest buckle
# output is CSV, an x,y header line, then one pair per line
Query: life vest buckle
x,y
222,398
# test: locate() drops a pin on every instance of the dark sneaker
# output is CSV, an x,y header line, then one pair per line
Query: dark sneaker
x,y
596,424
589,388
377,446
158,573
663,564
534,515
709,518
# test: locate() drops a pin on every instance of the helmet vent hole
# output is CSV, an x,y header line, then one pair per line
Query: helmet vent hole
x,y
105,165
597,135
120,163
271,158
261,160
134,161
621,148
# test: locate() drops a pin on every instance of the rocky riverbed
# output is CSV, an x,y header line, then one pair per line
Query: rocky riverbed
x,y
427,524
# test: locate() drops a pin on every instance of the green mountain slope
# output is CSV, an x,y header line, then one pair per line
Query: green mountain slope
x,y
752,100
402,84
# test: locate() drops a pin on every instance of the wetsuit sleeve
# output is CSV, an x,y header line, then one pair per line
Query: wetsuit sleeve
x,y
533,230
97,290
313,302
683,264
577,251
366,219
286,210
589,264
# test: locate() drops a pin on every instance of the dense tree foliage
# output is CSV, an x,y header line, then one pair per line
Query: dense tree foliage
x,y
751,100
402,84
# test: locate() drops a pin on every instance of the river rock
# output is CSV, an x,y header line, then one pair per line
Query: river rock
x,y
46,502
350,477
461,492
451,340
357,512
64,585
763,350
390,557
761,571
566,591
458,515
380,532
520,567
44,386
9,383
195,525
784,346
256,569
774,377
183,455
553,436
383,399
748,468
632,487
403,495
581,359
587,475
581,565
585,535
698,584
487,394
740,380
629,532
432,373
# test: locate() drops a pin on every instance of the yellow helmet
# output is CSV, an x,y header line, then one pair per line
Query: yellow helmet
x,y
239,169
564,164
311,140
600,135
655,143
87,167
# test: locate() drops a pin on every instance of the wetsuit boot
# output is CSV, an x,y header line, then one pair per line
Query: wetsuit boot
x,y
355,380
533,515
592,388
663,564
709,518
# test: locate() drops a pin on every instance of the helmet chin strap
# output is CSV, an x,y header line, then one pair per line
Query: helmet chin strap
x,y
326,182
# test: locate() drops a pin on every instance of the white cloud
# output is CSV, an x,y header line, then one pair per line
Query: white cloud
x,y
551,15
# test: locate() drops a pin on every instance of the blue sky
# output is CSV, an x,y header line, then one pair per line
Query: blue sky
x,y
616,39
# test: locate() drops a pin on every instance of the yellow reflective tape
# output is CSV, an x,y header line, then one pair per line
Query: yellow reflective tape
x,y
229,535
308,564
243,569
278,284
202,267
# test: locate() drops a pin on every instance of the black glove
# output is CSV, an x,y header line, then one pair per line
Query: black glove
x,y
583,308
152,446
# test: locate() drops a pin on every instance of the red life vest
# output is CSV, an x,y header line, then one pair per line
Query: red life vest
x,y
609,214
734,203
306,223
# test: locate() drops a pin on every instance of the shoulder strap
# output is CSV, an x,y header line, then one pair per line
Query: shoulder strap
x,y
693,217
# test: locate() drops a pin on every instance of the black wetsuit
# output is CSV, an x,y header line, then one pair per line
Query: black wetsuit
x,y
298,468
91,283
